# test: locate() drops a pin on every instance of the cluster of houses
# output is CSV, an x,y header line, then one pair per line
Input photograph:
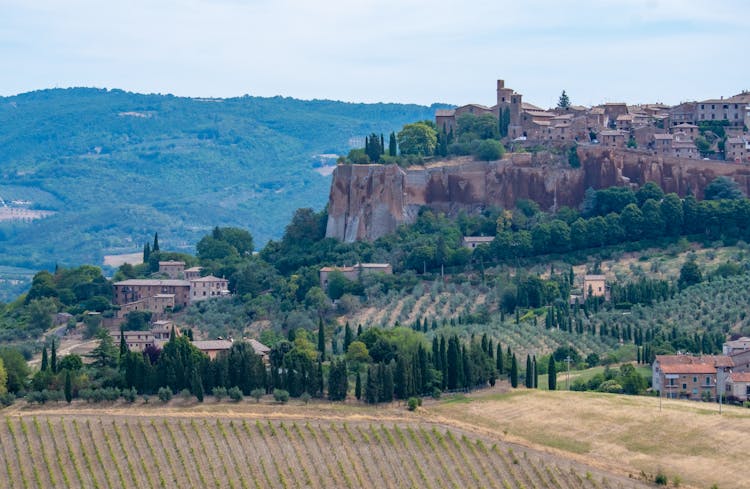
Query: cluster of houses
x,y
179,288
705,376
159,332
661,129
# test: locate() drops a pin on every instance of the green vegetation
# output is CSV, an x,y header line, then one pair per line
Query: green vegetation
x,y
116,166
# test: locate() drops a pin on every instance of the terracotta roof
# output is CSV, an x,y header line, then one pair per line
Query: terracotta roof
x,y
209,278
372,265
171,262
337,269
478,239
612,133
685,125
699,368
205,345
136,282
540,113
740,377
663,136
445,113
528,106
595,277
709,360
258,347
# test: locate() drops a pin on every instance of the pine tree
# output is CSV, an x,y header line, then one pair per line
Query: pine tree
x,y
45,362
146,252
68,387
513,372
53,356
529,381
552,374
358,387
155,247
321,340
564,101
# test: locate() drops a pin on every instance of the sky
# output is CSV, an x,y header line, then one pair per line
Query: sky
x,y
410,51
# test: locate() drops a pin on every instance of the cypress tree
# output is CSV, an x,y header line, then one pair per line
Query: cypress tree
x,y
552,374
529,381
359,330
53,356
321,340
453,363
358,387
513,372
123,345
45,362
387,384
536,373
382,144
500,361
392,148
155,247
348,337
146,252
320,379
196,385
371,386
68,387
436,353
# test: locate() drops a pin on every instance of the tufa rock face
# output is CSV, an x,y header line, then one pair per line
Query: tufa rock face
x,y
370,201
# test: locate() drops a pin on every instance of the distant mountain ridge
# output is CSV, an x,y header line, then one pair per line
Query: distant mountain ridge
x,y
115,166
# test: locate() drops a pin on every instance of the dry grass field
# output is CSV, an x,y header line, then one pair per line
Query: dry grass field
x,y
619,434
259,446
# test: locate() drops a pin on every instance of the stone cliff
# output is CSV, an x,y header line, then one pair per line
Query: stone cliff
x,y
369,201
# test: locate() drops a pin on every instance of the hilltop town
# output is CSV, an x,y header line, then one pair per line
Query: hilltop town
x,y
713,128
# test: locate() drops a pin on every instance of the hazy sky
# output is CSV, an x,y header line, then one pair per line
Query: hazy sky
x,y
391,51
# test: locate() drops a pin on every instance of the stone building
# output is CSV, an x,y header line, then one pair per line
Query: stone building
x,y
737,149
691,377
732,109
208,287
595,286
353,273
135,290
173,269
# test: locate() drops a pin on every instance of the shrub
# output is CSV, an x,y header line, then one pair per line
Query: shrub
x,y
257,394
185,394
661,478
165,394
129,395
412,403
7,399
219,393
281,396
235,394
145,398
305,397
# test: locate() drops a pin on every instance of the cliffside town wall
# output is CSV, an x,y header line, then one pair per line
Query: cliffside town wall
x,y
369,201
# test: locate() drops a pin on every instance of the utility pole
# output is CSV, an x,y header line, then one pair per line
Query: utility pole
x,y
567,380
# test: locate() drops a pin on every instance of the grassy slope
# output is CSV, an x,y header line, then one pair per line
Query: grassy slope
x,y
247,445
627,434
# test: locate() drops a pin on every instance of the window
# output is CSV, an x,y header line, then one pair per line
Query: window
x,y
671,382
695,380
708,380
684,387
695,392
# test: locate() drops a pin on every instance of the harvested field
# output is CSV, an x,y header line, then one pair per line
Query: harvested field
x,y
629,435
243,450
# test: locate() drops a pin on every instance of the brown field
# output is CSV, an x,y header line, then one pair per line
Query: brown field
x,y
258,446
626,435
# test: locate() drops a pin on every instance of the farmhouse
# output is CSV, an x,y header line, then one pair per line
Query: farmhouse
x,y
595,286
691,377
472,242
213,347
353,273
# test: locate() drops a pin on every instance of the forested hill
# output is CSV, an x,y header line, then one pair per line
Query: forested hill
x,y
119,166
